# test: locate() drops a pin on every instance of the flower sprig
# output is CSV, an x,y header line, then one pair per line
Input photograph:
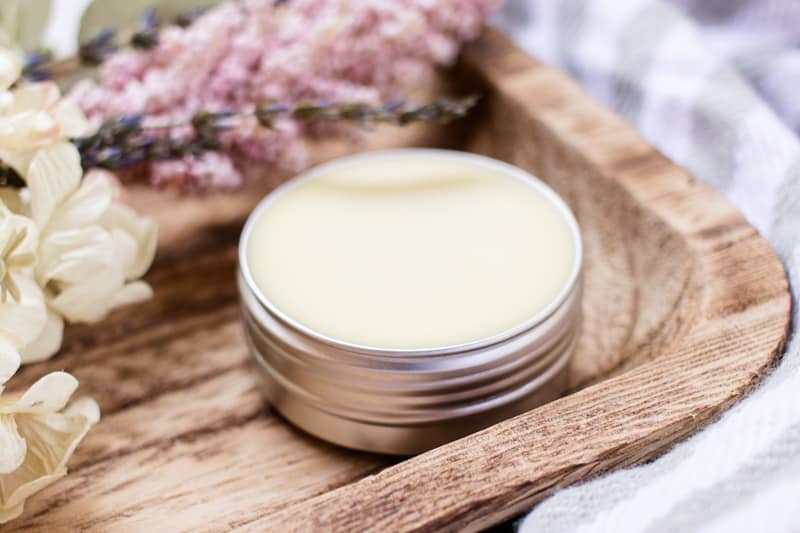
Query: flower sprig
x,y
126,141
239,53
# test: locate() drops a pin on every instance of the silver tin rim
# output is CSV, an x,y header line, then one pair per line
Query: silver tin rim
x,y
498,368
410,417
478,160
435,405
410,435
479,359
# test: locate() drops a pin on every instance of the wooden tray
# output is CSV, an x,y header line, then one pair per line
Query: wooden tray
x,y
686,306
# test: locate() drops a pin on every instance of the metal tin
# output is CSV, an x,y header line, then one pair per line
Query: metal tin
x,y
404,401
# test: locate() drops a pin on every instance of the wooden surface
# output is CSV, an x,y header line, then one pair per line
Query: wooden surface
x,y
685,308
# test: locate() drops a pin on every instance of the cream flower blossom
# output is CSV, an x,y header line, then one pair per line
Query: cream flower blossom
x,y
32,116
37,434
23,314
66,250
14,254
92,250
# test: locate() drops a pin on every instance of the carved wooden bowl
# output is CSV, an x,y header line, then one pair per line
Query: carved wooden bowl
x,y
685,308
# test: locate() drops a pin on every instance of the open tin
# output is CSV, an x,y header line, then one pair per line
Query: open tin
x,y
405,401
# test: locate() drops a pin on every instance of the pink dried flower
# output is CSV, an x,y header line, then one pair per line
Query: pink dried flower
x,y
240,53
210,170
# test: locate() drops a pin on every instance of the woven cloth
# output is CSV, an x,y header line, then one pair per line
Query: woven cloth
x,y
714,85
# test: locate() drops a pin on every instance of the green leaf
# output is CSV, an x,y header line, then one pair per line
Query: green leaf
x,y
102,14
24,21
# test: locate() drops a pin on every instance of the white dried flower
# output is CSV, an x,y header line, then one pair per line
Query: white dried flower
x,y
23,314
32,116
91,250
37,435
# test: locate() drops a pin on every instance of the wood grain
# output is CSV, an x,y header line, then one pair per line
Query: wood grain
x,y
686,306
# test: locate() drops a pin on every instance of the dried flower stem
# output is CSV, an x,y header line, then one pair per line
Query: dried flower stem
x,y
127,141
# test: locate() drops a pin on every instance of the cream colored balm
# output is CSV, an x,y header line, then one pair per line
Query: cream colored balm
x,y
412,249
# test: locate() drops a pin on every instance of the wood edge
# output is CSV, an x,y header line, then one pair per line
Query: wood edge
x,y
505,65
